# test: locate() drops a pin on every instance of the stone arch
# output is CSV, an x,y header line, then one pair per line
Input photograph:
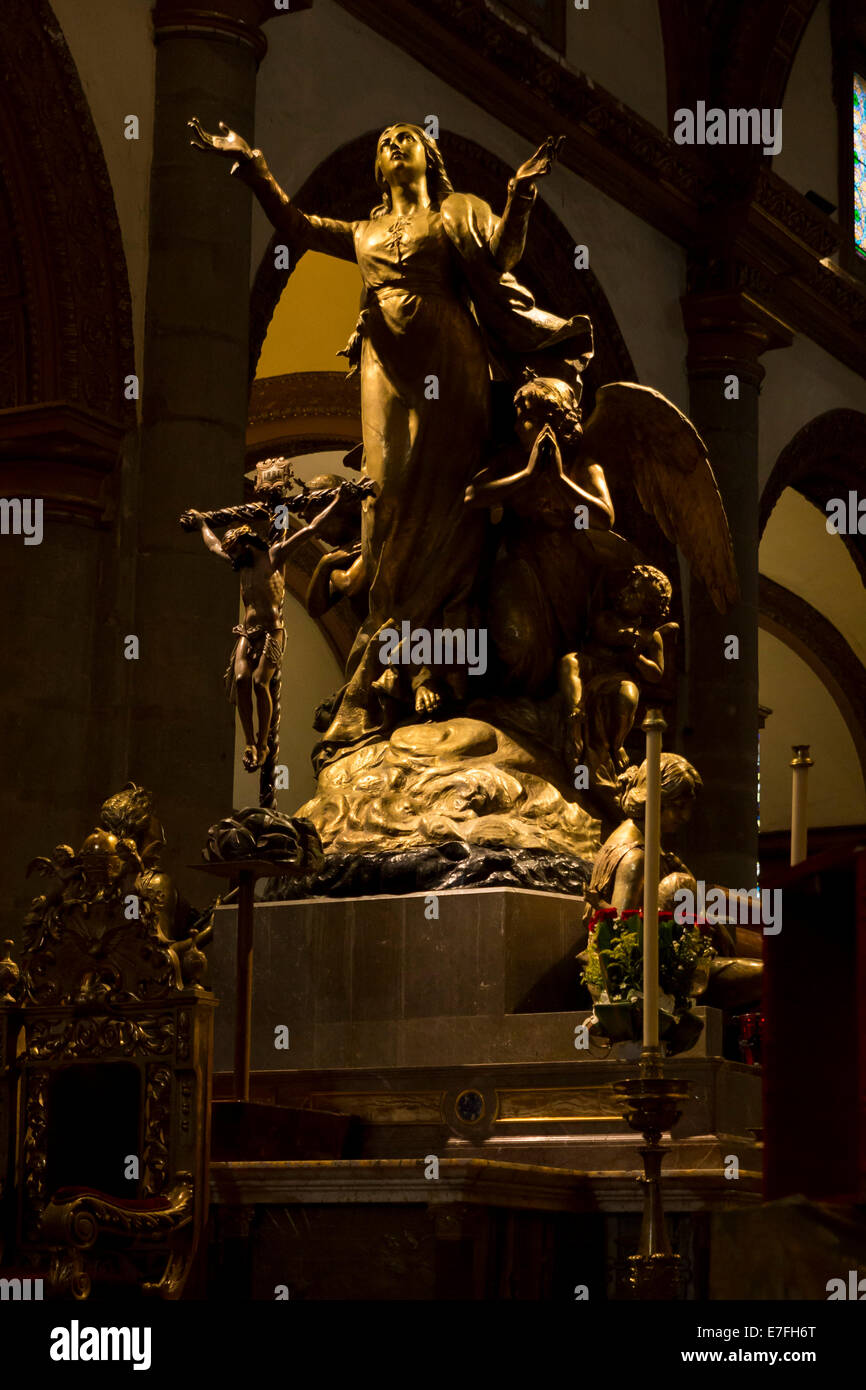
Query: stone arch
x,y
302,413
730,54
74,305
65,307
825,459
825,651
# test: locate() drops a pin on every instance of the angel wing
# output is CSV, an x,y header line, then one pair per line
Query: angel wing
x,y
637,432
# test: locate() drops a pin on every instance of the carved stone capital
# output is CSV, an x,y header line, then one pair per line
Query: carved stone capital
x,y
62,452
728,332
238,21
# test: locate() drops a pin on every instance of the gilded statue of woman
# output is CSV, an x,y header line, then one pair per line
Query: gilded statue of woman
x,y
441,314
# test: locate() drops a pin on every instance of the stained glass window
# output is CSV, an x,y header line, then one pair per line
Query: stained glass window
x,y
860,163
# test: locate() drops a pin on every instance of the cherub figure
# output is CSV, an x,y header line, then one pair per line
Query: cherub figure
x,y
600,685
618,879
558,513
261,636
558,476
556,502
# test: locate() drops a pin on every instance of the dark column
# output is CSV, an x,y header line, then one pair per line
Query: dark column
x,y
58,717
194,413
718,732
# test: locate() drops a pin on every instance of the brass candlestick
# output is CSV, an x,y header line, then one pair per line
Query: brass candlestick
x,y
651,1056
653,1106
652,1101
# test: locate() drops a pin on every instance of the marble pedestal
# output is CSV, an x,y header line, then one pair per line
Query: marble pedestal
x,y
445,1028
405,981
448,1024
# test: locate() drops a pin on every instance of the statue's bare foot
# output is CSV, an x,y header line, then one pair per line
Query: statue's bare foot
x,y
251,757
427,700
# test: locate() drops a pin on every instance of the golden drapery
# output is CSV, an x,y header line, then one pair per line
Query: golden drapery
x,y
439,317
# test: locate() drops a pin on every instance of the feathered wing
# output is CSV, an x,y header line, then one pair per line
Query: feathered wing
x,y
638,433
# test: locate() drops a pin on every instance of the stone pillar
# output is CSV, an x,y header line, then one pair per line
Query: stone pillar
x,y
718,716
59,697
194,415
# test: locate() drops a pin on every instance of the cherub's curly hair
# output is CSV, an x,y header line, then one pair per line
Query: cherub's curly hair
x,y
438,183
678,779
656,586
556,402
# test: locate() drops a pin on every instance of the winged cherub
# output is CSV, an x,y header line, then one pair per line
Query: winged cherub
x,y
541,487
599,684
558,549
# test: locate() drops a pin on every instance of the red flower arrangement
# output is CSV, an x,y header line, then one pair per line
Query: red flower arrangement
x,y
602,912
598,916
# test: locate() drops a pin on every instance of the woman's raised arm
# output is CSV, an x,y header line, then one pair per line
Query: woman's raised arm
x,y
509,239
302,233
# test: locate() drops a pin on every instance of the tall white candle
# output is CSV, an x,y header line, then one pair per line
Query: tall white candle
x,y
800,764
653,726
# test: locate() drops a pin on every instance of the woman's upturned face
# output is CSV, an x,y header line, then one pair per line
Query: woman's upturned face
x,y
401,156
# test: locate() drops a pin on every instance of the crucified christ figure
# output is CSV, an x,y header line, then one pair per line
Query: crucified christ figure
x,y
261,636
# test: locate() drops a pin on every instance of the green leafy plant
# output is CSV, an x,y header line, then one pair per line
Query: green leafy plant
x,y
614,968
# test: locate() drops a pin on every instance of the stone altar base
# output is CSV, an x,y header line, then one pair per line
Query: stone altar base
x,y
488,1157
379,981
475,1229
558,1115
455,1036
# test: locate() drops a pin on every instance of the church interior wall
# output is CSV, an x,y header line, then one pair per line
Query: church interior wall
x,y
799,552
801,381
47,701
835,789
115,89
808,158
619,45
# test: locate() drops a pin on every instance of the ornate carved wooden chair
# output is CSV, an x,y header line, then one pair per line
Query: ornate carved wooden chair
x,y
109,1082
8,980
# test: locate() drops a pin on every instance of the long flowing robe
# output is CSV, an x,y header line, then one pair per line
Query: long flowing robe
x,y
440,311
